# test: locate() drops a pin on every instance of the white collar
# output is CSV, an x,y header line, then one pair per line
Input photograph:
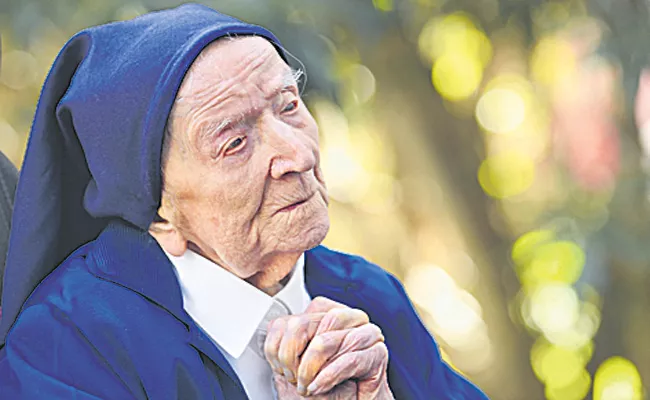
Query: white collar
x,y
226,307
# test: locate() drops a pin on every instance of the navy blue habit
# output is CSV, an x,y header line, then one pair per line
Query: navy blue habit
x,y
92,308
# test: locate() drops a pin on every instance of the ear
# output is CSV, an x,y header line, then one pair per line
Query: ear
x,y
167,234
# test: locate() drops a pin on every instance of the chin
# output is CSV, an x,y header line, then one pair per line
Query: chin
x,y
316,234
305,238
314,231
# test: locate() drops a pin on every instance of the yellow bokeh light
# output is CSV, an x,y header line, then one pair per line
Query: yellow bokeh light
x,y
381,195
457,76
553,60
576,390
454,314
506,174
500,110
524,248
349,179
556,366
454,34
582,332
383,5
19,69
555,308
617,378
514,117
561,261
423,280
347,176
358,84
514,82
585,352
459,52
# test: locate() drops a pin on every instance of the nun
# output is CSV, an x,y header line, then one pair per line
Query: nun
x,y
167,229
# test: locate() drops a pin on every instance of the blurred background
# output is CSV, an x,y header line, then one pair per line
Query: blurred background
x,y
493,154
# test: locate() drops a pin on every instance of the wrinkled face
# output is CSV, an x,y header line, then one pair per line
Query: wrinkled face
x,y
242,179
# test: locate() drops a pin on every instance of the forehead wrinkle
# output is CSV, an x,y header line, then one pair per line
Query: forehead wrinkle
x,y
199,85
197,96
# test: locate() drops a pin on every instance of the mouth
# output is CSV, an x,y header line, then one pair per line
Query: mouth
x,y
295,205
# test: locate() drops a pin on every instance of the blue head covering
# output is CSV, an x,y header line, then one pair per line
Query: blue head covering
x,y
95,145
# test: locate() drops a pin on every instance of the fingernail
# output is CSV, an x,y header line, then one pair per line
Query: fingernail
x,y
289,375
301,389
312,388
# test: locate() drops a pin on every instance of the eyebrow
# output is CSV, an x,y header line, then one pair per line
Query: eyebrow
x,y
213,130
290,79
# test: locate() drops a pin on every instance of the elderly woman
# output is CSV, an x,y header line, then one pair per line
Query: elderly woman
x,y
172,206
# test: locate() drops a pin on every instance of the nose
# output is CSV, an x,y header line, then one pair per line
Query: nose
x,y
293,150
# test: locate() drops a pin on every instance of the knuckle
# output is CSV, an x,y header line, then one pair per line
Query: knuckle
x,y
361,314
325,302
334,312
330,319
321,300
293,323
382,349
277,325
375,330
318,344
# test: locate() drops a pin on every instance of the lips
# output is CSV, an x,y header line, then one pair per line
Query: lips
x,y
296,204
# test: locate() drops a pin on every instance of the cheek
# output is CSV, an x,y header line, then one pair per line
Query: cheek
x,y
237,195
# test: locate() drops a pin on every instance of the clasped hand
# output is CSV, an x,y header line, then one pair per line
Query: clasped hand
x,y
330,351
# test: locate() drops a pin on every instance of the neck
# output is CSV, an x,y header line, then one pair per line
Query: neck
x,y
275,289
275,273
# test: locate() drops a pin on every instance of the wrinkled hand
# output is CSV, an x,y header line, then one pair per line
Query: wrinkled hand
x,y
287,391
328,345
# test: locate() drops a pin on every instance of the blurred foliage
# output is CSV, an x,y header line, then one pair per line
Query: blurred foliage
x,y
484,151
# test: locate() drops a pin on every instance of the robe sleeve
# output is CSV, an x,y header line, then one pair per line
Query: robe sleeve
x,y
47,357
417,371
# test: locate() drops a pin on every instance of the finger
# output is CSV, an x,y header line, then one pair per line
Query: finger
x,y
342,318
286,391
323,304
274,337
330,345
300,329
321,348
355,365
360,338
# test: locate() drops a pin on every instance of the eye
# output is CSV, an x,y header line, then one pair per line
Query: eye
x,y
291,107
235,145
